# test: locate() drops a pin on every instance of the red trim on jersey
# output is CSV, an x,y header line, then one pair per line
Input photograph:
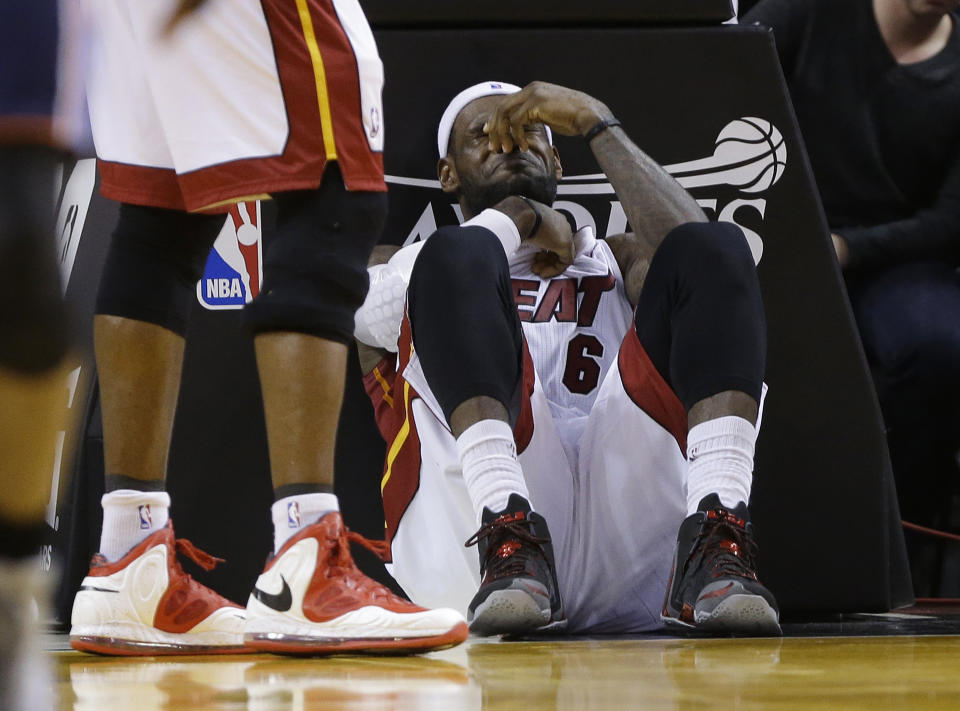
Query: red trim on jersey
x,y
649,391
523,430
301,165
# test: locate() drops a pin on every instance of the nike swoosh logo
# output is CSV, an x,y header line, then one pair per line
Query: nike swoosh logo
x,y
281,601
94,588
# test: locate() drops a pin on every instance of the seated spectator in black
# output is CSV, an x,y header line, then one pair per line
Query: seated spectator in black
x,y
876,87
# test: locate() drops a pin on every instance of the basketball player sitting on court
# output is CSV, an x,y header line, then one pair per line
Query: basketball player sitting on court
x,y
608,387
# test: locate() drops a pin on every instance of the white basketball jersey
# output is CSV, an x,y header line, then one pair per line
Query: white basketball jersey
x,y
573,323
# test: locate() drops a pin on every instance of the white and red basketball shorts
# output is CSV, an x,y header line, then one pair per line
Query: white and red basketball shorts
x,y
243,99
613,513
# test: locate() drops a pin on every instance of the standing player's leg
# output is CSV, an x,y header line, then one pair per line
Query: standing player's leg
x,y
147,287
469,343
700,321
156,254
311,598
33,343
32,392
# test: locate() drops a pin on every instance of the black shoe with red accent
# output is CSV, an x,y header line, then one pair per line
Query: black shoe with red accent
x,y
518,587
713,585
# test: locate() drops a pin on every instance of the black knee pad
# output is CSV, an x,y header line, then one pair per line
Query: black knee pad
x,y
464,319
700,316
315,267
706,248
462,255
32,312
153,264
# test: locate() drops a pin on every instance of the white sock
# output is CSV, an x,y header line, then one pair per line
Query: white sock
x,y
292,514
488,457
720,456
130,516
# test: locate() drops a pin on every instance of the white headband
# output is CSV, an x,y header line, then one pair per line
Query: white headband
x,y
485,88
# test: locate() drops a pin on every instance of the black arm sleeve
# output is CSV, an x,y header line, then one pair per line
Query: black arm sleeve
x,y
932,233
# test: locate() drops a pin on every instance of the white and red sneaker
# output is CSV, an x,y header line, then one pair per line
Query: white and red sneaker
x,y
312,599
144,604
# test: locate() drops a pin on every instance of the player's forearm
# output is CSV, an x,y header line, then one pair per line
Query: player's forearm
x,y
653,201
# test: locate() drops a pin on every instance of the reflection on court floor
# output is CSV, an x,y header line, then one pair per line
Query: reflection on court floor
x,y
869,673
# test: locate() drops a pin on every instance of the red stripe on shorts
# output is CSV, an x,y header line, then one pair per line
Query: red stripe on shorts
x,y
400,488
649,391
301,165
523,430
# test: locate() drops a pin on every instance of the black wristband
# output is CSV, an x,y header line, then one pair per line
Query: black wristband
x,y
599,127
536,224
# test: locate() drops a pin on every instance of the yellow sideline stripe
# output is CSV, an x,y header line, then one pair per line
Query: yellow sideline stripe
x,y
320,75
384,385
400,439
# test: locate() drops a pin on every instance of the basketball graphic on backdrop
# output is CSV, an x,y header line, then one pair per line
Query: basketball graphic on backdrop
x,y
755,150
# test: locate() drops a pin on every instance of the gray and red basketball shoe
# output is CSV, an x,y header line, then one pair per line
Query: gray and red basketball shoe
x,y
713,585
518,587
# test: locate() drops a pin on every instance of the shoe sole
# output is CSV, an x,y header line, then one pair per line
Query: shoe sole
x,y
303,645
114,647
749,614
738,614
509,612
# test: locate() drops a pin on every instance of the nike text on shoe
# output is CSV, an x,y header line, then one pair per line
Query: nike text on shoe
x,y
312,599
144,604
713,585
518,579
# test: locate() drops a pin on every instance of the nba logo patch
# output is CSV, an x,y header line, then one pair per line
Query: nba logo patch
x,y
293,514
234,266
146,522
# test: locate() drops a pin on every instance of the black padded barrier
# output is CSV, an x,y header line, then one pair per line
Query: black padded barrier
x,y
823,503
701,101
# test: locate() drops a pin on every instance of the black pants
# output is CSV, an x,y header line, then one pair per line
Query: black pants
x,y
909,320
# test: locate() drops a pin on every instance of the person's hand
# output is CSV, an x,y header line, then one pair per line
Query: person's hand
x,y
553,235
547,265
566,111
842,250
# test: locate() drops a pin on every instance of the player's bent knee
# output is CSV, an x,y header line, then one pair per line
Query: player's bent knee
x,y
153,264
315,269
709,246
459,260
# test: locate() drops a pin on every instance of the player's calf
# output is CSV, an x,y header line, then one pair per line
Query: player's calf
x,y
714,585
518,589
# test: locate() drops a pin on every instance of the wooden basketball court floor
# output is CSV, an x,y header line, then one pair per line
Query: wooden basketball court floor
x,y
868,662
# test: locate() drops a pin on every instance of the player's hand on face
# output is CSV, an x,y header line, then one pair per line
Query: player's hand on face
x,y
567,111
